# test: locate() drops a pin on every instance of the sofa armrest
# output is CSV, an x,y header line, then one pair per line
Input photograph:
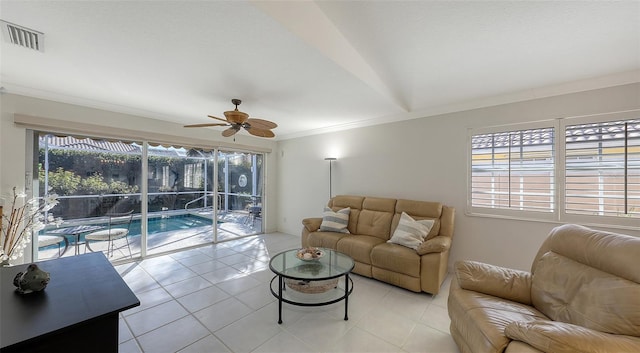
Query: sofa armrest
x,y
435,244
312,224
506,283
561,337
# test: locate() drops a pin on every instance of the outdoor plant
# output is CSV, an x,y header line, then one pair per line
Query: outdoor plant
x,y
66,182
23,220
62,182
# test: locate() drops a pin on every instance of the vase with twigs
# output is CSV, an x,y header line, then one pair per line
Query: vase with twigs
x,y
22,222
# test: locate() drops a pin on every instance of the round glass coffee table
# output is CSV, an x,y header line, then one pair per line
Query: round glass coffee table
x,y
311,282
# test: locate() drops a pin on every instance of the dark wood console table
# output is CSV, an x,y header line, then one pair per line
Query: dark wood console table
x,y
77,312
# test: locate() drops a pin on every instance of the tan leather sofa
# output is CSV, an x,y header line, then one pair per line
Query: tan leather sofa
x,y
582,295
372,222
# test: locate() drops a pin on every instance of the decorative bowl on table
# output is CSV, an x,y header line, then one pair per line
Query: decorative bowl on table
x,y
309,254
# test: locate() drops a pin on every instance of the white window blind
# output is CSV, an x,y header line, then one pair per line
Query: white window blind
x,y
602,168
513,170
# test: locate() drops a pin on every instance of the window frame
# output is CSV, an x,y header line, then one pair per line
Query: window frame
x,y
621,221
143,193
559,214
510,213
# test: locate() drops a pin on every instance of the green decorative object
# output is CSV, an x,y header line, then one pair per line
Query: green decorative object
x,y
31,280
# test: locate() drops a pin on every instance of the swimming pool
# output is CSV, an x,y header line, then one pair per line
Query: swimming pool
x,y
170,223
155,225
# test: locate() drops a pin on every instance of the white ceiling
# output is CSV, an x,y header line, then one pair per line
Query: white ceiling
x,y
317,66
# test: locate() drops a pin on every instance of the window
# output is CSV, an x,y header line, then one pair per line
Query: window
x,y
602,172
592,175
513,170
92,177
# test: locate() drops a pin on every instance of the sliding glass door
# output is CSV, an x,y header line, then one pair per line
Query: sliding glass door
x,y
94,180
179,198
239,194
191,196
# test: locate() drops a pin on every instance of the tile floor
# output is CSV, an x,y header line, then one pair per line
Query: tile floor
x,y
216,299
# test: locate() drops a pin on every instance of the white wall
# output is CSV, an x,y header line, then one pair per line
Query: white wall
x,y
426,159
12,138
422,159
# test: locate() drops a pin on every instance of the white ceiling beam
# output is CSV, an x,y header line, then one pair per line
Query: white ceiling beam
x,y
307,21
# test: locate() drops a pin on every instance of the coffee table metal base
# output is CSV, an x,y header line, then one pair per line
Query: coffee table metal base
x,y
343,295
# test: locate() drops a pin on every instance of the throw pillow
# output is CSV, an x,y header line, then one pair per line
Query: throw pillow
x,y
335,221
411,233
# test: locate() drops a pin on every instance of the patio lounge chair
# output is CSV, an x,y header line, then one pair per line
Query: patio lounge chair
x,y
48,240
118,228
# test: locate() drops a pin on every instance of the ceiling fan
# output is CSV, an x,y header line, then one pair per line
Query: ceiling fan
x,y
236,119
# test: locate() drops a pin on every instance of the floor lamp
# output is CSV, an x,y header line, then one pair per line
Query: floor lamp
x,y
330,159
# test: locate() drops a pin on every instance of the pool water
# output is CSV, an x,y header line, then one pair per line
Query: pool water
x,y
167,224
155,225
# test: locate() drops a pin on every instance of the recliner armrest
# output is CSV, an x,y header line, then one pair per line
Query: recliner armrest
x,y
561,337
312,224
435,244
506,283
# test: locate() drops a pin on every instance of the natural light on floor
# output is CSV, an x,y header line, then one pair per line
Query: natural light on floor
x,y
216,298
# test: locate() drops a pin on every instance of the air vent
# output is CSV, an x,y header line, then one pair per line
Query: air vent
x,y
22,36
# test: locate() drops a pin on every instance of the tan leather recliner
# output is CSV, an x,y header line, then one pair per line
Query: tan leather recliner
x,y
582,295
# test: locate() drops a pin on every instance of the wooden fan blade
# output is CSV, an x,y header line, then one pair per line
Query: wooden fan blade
x,y
259,132
262,124
215,117
230,131
204,125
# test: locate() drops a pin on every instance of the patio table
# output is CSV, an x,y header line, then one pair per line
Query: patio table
x,y
76,231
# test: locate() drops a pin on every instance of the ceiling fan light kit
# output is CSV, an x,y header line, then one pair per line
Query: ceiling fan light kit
x,y
236,119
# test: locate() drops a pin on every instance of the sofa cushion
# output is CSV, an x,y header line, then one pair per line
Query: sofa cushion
x,y
343,201
481,318
312,224
419,210
568,291
335,221
379,204
409,232
520,347
354,203
358,247
494,280
594,248
433,232
375,217
375,223
325,239
561,337
396,258
434,245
